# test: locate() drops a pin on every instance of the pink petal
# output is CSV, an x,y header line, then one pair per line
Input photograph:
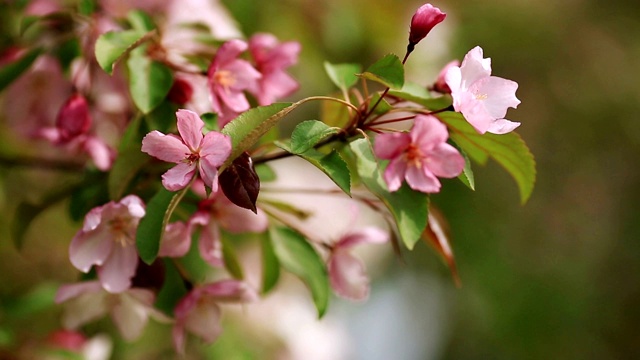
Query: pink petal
x,y
179,336
348,276
130,316
475,113
190,128
165,147
369,234
209,173
395,173
134,205
69,291
261,45
101,154
216,147
176,240
445,161
275,85
236,101
427,132
244,74
497,95
502,126
228,52
421,179
391,145
210,246
425,18
453,79
116,273
204,320
178,177
90,248
92,219
238,220
474,67
84,308
231,290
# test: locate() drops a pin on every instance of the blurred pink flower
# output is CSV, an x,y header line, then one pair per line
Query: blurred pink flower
x,y
229,76
271,59
426,17
191,151
107,240
482,99
347,273
198,312
419,156
176,240
87,301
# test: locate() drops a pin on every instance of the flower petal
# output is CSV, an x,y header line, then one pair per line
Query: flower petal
x,y
502,126
204,320
369,234
69,291
134,204
216,147
445,161
116,273
210,246
231,290
176,240
130,316
178,177
422,179
427,132
209,173
100,152
86,307
391,145
236,219
498,95
190,128
348,276
167,148
474,67
90,248
275,85
395,173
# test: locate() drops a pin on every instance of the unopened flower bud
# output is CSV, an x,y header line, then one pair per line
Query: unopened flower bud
x,y
74,118
181,92
423,21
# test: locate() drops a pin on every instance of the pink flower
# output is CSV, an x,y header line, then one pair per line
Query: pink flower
x,y
73,119
419,156
107,240
176,240
198,312
441,85
191,151
482,99
423,21
271,59
347,273
229,76
87,301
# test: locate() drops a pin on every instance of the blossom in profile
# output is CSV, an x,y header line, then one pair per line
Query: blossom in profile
x,y
271,59
107,240
481,98
229,76
199,312
347,273
426,17
191,151
420,156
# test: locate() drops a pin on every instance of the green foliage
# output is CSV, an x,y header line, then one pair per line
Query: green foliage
x,y
140,21
172,290
152,225
149,81
270,264
509,150
409,208
12,71
112,46
419,97
343,75
298,257
387,71
308,134
265,173
230,257
467,177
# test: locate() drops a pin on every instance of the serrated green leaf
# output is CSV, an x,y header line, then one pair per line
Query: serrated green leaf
x,y
114,45
308,134
466,176
13,70
297,256
149,82
387,71
140,20
343,75
270,265
152,225
231,262
409,208
509,150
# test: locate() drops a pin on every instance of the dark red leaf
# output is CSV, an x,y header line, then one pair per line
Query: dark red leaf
x,y
240,182
437,235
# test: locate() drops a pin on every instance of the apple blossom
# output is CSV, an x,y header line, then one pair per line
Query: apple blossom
x,y
419,156
191,151
482,99
426,17
107,240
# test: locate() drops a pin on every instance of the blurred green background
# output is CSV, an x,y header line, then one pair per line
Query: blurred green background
x,y
556,278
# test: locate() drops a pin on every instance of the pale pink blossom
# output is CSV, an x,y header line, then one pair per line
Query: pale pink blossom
x,y
272,58
347,273
420,156
176,240
482,99
199,313
88,301
229,76
426,17
191,151
107,240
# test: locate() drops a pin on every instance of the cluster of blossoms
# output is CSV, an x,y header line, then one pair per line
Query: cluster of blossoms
x,y
210,193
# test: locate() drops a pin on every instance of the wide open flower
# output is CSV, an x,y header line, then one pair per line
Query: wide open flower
x,y
271,59
107,240
419,156
482,99
198,312
191,151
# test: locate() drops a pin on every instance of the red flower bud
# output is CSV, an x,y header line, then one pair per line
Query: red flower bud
x,y
181,91
423,21
73,119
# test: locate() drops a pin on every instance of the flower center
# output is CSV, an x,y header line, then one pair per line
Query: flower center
x,y
414,156
120,227
481,96
192,158
225,78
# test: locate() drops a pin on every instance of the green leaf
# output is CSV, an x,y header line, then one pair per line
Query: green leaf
x,y
246,129
343,75
149,81
114,45
270,265
140,21
409,208
509,150
152,225
383,106
298,257
387,71
231,262
127,165
308,134
12,71
467,177
192,263
173,288
265,173
428,102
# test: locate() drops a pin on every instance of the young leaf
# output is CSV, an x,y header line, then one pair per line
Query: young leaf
x,y
270,265
309,133
343,75
408,207
240,182
114,45
149,82
231,262
387,71
152,225
509,150
12,71
298,257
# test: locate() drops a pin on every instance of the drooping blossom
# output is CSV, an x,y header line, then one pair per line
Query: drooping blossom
x,y
426,17
229,76
347,274
107,240
482,99
191,151
441,84
420,156
88,301
199,313
271,59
